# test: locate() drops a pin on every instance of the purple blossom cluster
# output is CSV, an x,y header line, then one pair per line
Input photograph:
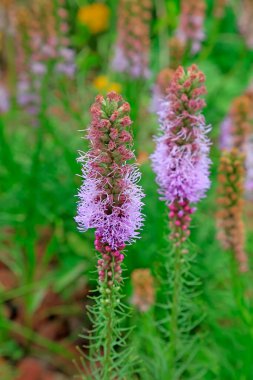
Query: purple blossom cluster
x,y
181,161
110,199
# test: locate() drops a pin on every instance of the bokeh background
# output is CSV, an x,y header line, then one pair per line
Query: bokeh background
x,y
46,265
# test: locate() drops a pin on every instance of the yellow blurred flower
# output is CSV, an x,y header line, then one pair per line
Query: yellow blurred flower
x,y
103,84
114,86
95,17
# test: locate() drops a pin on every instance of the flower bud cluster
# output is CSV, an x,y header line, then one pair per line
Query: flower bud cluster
x,y
230,200
180,219
241,117
109,267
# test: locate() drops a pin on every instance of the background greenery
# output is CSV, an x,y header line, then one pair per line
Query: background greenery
x,y
40,244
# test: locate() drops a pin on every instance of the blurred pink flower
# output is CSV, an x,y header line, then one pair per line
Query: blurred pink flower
x,y
190,30
132,47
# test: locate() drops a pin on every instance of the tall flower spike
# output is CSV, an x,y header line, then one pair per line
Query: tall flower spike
x,y
143,289
110,199
109,202
236,127
133,42
230,199
181,161
190,30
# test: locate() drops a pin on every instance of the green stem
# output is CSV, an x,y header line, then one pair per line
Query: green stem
x,y
206,51
173,327
133,88
108,341
109,300
161,13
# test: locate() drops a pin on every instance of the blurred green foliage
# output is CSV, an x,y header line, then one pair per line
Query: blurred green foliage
x,y
39,180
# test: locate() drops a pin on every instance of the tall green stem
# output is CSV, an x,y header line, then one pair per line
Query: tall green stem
x,y
110,294
161,14
108,341
173,327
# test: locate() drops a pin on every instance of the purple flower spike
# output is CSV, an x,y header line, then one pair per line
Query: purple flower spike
x,y
181,160
110,199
